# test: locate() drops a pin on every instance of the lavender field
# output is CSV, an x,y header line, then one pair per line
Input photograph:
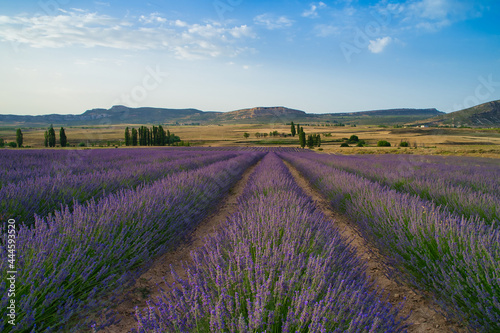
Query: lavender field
x,y
88,223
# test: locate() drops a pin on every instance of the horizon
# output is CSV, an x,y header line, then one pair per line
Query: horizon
x,y
342,56
191,108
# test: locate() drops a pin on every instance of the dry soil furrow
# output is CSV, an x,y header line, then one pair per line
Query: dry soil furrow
x,y
147,285
423,317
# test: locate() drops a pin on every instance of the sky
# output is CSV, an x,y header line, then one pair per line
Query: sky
x,y
68,56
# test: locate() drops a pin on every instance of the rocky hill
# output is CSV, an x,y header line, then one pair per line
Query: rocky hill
x,y
483,115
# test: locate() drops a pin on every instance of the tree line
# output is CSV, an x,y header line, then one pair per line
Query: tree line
x,y
50,137
311,141
154,136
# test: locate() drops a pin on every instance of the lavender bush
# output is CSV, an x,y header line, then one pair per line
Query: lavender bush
x,y
464,186
277,265
69,260
456,259
50,190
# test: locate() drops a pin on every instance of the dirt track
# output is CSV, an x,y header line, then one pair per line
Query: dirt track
x,y
147,286
423,317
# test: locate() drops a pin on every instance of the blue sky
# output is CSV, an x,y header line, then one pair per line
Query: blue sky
x,y
67,56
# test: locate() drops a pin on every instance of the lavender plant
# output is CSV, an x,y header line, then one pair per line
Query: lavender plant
x,y
277,265
471,190
49,191
70,259
456,259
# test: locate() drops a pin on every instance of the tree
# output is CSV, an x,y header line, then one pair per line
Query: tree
x,y
134,137
46,138
353,139
292,129
2,143
19,137
161,136
246,135
310,141
127,137
52,137
298,129
318,140
302,139
383,143
62,137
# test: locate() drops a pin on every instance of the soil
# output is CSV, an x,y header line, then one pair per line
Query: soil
x,y
148,284
423,317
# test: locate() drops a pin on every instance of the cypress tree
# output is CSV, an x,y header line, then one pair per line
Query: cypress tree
x,y
46,139
302,139
310,141
168,137
19,137
161,136
298,129
318,140
155,136
127,137
52,137
292,129
62,137
142,136
134,137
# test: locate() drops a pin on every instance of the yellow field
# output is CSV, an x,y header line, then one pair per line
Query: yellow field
x,y
422,140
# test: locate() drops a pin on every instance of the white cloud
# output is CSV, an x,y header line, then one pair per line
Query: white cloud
x,y
313,10
152,19
153,32
430,15
272,22
379,44
325,30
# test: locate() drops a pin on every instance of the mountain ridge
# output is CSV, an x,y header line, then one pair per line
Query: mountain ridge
x,y
486,114
120,114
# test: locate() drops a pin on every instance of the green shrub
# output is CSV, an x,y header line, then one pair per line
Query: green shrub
x,y
404,144
81,144
12,144
353,138
383,143
344,144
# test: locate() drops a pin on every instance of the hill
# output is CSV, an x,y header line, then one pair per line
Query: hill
x,y
483,115
120,114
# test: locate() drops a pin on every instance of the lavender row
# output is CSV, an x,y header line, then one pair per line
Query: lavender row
x,y
277,265
70,259
42,195
456,259
18,165
471,190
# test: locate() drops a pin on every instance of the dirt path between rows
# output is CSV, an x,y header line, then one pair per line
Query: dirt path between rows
x,y
147,285
423,317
